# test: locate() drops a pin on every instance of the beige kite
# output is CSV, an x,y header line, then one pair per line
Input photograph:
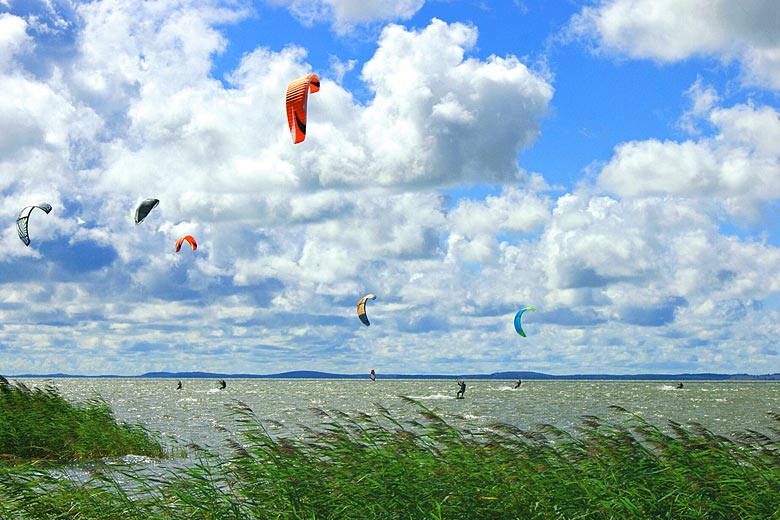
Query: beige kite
x,y
361,308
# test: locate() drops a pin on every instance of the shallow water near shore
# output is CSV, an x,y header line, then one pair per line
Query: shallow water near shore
x,y
200,412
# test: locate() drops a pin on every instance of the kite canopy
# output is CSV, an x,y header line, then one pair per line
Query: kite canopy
x,y
23,220
144,208
361,308
189,239
297,101
518,327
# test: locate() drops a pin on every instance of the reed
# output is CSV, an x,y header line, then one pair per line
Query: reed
x,y
359,466
39,425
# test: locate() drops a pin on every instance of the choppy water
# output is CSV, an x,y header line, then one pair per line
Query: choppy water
x,y
199,413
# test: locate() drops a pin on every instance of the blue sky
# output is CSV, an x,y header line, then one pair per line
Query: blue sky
x,y
615,164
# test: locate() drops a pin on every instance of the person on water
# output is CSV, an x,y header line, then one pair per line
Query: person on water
x,y
462,390
519,382
680,385
178,386
222,384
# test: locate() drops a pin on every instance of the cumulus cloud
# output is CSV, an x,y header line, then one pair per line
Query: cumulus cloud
x,y
670,31
434,110
739,165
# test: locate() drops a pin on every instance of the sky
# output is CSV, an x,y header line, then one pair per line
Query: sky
x,y
614,164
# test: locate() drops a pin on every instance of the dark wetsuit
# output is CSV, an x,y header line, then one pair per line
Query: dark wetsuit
x,y
462,389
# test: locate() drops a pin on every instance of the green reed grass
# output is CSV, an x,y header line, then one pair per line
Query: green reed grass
x,y
40,425
359,466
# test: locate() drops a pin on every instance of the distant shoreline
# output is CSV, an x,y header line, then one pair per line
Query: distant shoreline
x,y
308,374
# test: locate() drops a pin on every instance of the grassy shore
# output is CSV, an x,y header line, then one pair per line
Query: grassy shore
x,y
363,467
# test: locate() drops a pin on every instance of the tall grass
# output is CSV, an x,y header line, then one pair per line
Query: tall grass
x,y
363,466
39,425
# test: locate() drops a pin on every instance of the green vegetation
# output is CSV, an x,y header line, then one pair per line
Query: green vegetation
x,y
39,425
363,467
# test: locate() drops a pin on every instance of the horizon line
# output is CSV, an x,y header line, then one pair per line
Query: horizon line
x,y
508,374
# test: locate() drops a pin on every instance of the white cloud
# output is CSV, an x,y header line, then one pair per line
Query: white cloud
x,y
474,226
762,67
13,38
655,167
434,111
346,14
739,166
644,261
663,30
670,30
703,100
291,235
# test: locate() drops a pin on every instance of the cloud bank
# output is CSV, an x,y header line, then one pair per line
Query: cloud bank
x,y
633,269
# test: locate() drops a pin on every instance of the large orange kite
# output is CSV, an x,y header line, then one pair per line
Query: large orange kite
x,y
297,98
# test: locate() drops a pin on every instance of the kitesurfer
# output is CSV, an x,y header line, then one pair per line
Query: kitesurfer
x,y
178,386
462,390
519,382
680,385
222,384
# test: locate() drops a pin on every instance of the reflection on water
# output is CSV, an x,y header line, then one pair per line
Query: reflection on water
x,y
200,412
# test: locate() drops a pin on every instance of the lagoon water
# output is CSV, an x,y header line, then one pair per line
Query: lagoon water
x,y
200,412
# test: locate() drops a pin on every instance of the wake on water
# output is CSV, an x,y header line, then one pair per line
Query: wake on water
x,y
430,397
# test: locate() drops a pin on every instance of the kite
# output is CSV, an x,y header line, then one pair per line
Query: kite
x,y
361,308
23,219
144,208
518,327
189,239
297,101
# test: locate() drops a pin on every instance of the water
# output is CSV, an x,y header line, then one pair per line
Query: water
x,y
199,413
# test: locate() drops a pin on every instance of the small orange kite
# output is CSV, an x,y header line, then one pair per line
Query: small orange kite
x,y
189,239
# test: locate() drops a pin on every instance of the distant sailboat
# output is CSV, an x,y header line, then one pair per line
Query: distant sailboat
x,y
373,375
